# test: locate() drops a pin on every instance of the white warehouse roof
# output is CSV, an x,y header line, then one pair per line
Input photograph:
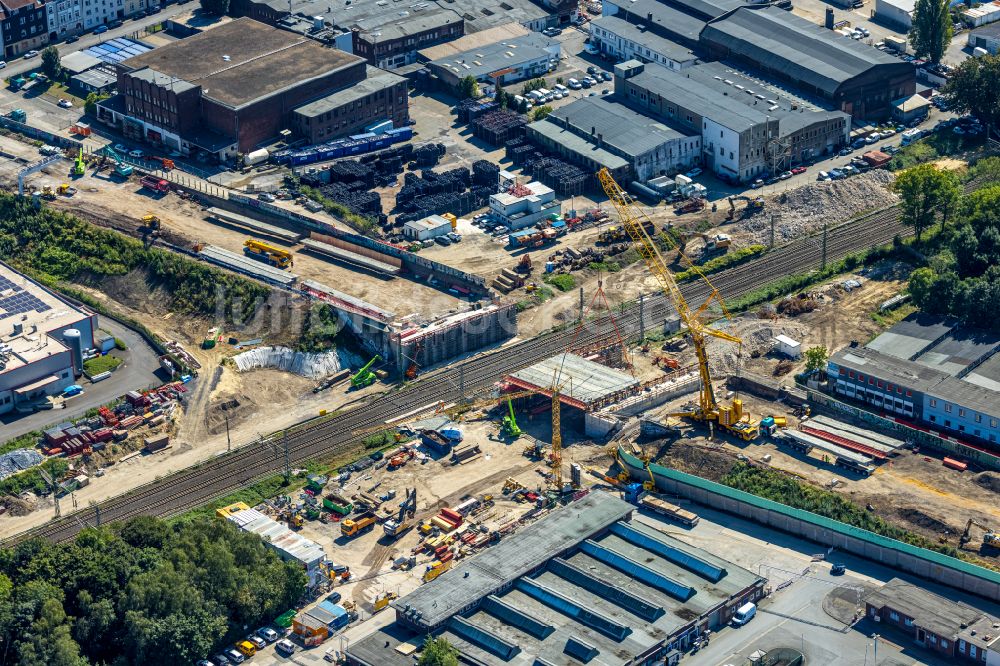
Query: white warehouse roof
x,y
291,545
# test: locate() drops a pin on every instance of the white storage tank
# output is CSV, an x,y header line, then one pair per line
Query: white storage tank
x,y
74,341
257,157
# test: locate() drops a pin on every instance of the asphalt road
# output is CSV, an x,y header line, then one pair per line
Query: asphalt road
x,y
140,370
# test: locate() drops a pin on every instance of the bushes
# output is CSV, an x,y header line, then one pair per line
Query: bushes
x,y
54,246
562,281
729,260
361,223
775,486
99,364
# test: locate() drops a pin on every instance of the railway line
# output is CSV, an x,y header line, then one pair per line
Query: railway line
x,y
200,484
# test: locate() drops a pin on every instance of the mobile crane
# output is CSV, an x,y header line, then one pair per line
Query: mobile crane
x,y
365,377
730,418
267,253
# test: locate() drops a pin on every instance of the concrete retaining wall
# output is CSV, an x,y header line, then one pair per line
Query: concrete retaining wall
x,y
889,552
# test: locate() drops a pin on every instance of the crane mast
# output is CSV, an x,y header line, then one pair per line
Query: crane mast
x,y
633,219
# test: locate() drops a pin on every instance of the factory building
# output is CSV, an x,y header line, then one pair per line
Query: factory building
x,y
649,147
987,38
522,205
290,546
949,629
500,62
430,227
583,584
679,21
623,40
928,369
192,95
747,129
898,13
43,339
849,76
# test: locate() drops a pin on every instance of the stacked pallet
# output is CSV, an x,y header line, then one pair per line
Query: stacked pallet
x,y
499,126
485,173
563,177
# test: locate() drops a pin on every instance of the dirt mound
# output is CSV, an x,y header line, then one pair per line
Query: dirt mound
x,y
918,518
703,461
804,210
988,480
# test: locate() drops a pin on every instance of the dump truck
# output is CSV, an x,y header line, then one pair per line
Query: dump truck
x,y
267,253
158,185
337,504
354,526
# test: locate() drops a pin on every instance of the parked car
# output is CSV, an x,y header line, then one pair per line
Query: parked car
x,y
785,175
838,570
591,70
221,660
799,169
334,597
115,24
30,54
234,656
268,634
65,103
694,173
757,184
285,646
574,84
873,138
606,76
257,641
136,153
823,175
744,614
72,38
205,662
844,152
442,240
100,30
859,143
266,197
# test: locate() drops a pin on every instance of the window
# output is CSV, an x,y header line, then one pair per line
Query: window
x,y
843,371
972,651
851,374
894,616
933,402
871,381
944,644
961,647
880,383
947,408
961,412
908,621
979,418
909,394
932,639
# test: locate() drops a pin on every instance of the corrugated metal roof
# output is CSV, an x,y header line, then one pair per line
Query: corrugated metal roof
x,y
626,30
815,519
549,130
293,546
803,51
625,131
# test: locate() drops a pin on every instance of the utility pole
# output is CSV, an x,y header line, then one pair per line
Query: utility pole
x,y
581,304
823,266
97,513
774,220
461,382
229,442
875,637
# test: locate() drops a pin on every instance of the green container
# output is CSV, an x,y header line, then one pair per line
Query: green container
x,y
285,619
337,504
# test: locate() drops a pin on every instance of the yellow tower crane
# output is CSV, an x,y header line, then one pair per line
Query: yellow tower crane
x,y
732,418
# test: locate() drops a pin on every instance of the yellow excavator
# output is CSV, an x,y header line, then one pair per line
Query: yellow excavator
x,y
731,418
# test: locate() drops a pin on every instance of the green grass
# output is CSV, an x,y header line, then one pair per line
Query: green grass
x,y
606,266
561,281
729,260
894,316
99,364
939,144
28,440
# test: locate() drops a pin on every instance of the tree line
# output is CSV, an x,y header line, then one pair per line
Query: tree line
x,y
63,247
962,277
141,592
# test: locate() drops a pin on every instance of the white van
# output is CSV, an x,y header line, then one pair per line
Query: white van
x,y
744,614
535,96
561,88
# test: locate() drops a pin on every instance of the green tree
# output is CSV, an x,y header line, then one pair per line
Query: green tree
x,y
974,87
931,29
500,97
50,62
215,7
468,87
541,112
438,652
921,285
816,359
925,190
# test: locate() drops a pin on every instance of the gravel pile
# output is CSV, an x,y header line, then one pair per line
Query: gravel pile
x,y
758,338
18,460
803,210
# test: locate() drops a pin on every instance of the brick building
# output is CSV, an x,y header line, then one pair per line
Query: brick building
x,y
950,629
380,95
233,88
23,25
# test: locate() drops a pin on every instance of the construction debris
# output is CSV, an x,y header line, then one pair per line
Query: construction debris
x,y
805,209
18,460
309,365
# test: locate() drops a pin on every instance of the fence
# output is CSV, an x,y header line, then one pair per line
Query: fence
x,y
820,529
40,134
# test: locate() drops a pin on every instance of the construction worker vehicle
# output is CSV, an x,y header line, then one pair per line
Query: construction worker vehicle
x,y
436,568
267,253
990,538
18,115
155,184
354,526
753,205
400,524
510,429
365,377
67,190
731,418
48,192
688,206
79,166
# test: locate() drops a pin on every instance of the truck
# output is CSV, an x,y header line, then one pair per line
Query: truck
x,y
158,185
395,528
267,253
354,526
672,511
337,504
18,115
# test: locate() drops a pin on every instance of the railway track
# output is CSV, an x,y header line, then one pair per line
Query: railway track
x,y
200,484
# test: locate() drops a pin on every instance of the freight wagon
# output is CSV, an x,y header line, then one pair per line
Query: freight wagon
x,y
354,145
